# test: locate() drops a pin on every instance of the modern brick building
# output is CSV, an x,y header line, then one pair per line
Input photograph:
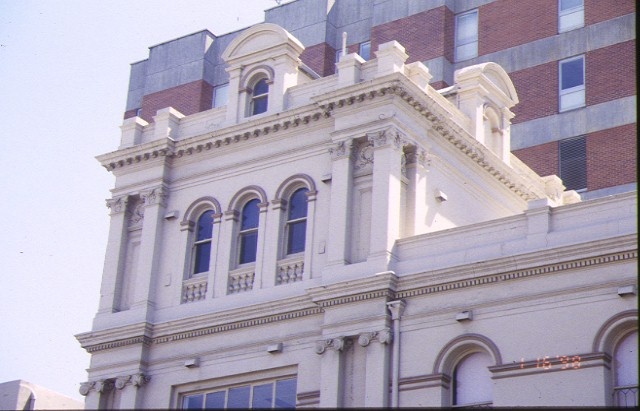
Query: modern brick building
x,y
583,130
291,231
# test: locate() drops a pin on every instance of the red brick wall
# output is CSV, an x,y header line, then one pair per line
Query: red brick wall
x,y
188,99
537,89
611,72
543,158
321,59
410,32
601,10
508,23
611,157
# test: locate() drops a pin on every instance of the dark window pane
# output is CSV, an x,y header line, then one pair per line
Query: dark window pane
x,y
239,397
573,163
297,233
262,396
250,215
572,74
205,226
215,400
365,50
298,204
261,87
248,247
203,253
192,402
285,393
259,105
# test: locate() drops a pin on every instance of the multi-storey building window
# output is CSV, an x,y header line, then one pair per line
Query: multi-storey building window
x,y
466,37
220,95
202,245
625,391
365,50
573,163
268,394
572,85
472,380
259,97
297,221
570,14
249,232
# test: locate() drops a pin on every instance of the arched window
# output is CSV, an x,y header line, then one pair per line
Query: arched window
x,y
249,232
201,254
259,97
472,380
296,227
626,371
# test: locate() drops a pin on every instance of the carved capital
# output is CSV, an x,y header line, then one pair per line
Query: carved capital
x,y
103,386
387,137
122,381
365,339
155,196
85,387
383,336
341,150
117,205
336,344
138,380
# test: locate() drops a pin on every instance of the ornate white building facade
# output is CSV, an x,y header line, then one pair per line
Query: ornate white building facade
x,y
355,240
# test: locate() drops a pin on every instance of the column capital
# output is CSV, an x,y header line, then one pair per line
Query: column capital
x,y
118,204
336,344
383,336
342,149
155,196
389,136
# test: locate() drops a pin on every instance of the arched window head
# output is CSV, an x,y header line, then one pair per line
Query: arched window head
x,y
249,232
201,254
472,380
259,97
296,227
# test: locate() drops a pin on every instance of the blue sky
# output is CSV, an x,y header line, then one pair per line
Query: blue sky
x,y
64,73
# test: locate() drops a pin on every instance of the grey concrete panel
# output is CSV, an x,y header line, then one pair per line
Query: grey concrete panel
x,y
574,123
390,10
176,76
137,77
301,16
180,51
609,191
441,69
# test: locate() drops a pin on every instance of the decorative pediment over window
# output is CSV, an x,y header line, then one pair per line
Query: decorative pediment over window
x,y
264,51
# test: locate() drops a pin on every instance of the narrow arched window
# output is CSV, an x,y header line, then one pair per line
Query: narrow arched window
x,y
472,380
202,243
296,228
249,232
625,391
259,97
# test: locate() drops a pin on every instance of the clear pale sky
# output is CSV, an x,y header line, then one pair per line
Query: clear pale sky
x,y
64,73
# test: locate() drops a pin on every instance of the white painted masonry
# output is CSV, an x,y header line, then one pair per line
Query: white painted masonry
x,y
426,241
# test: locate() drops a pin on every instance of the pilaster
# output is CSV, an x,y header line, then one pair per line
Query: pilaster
x,y
386,195
154,206
331,372
261,277
114,255
341,186
377,367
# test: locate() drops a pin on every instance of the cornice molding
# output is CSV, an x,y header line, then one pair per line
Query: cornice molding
x,y
522,273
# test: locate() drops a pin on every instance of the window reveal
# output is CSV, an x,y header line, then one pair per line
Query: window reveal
x,y
249,232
